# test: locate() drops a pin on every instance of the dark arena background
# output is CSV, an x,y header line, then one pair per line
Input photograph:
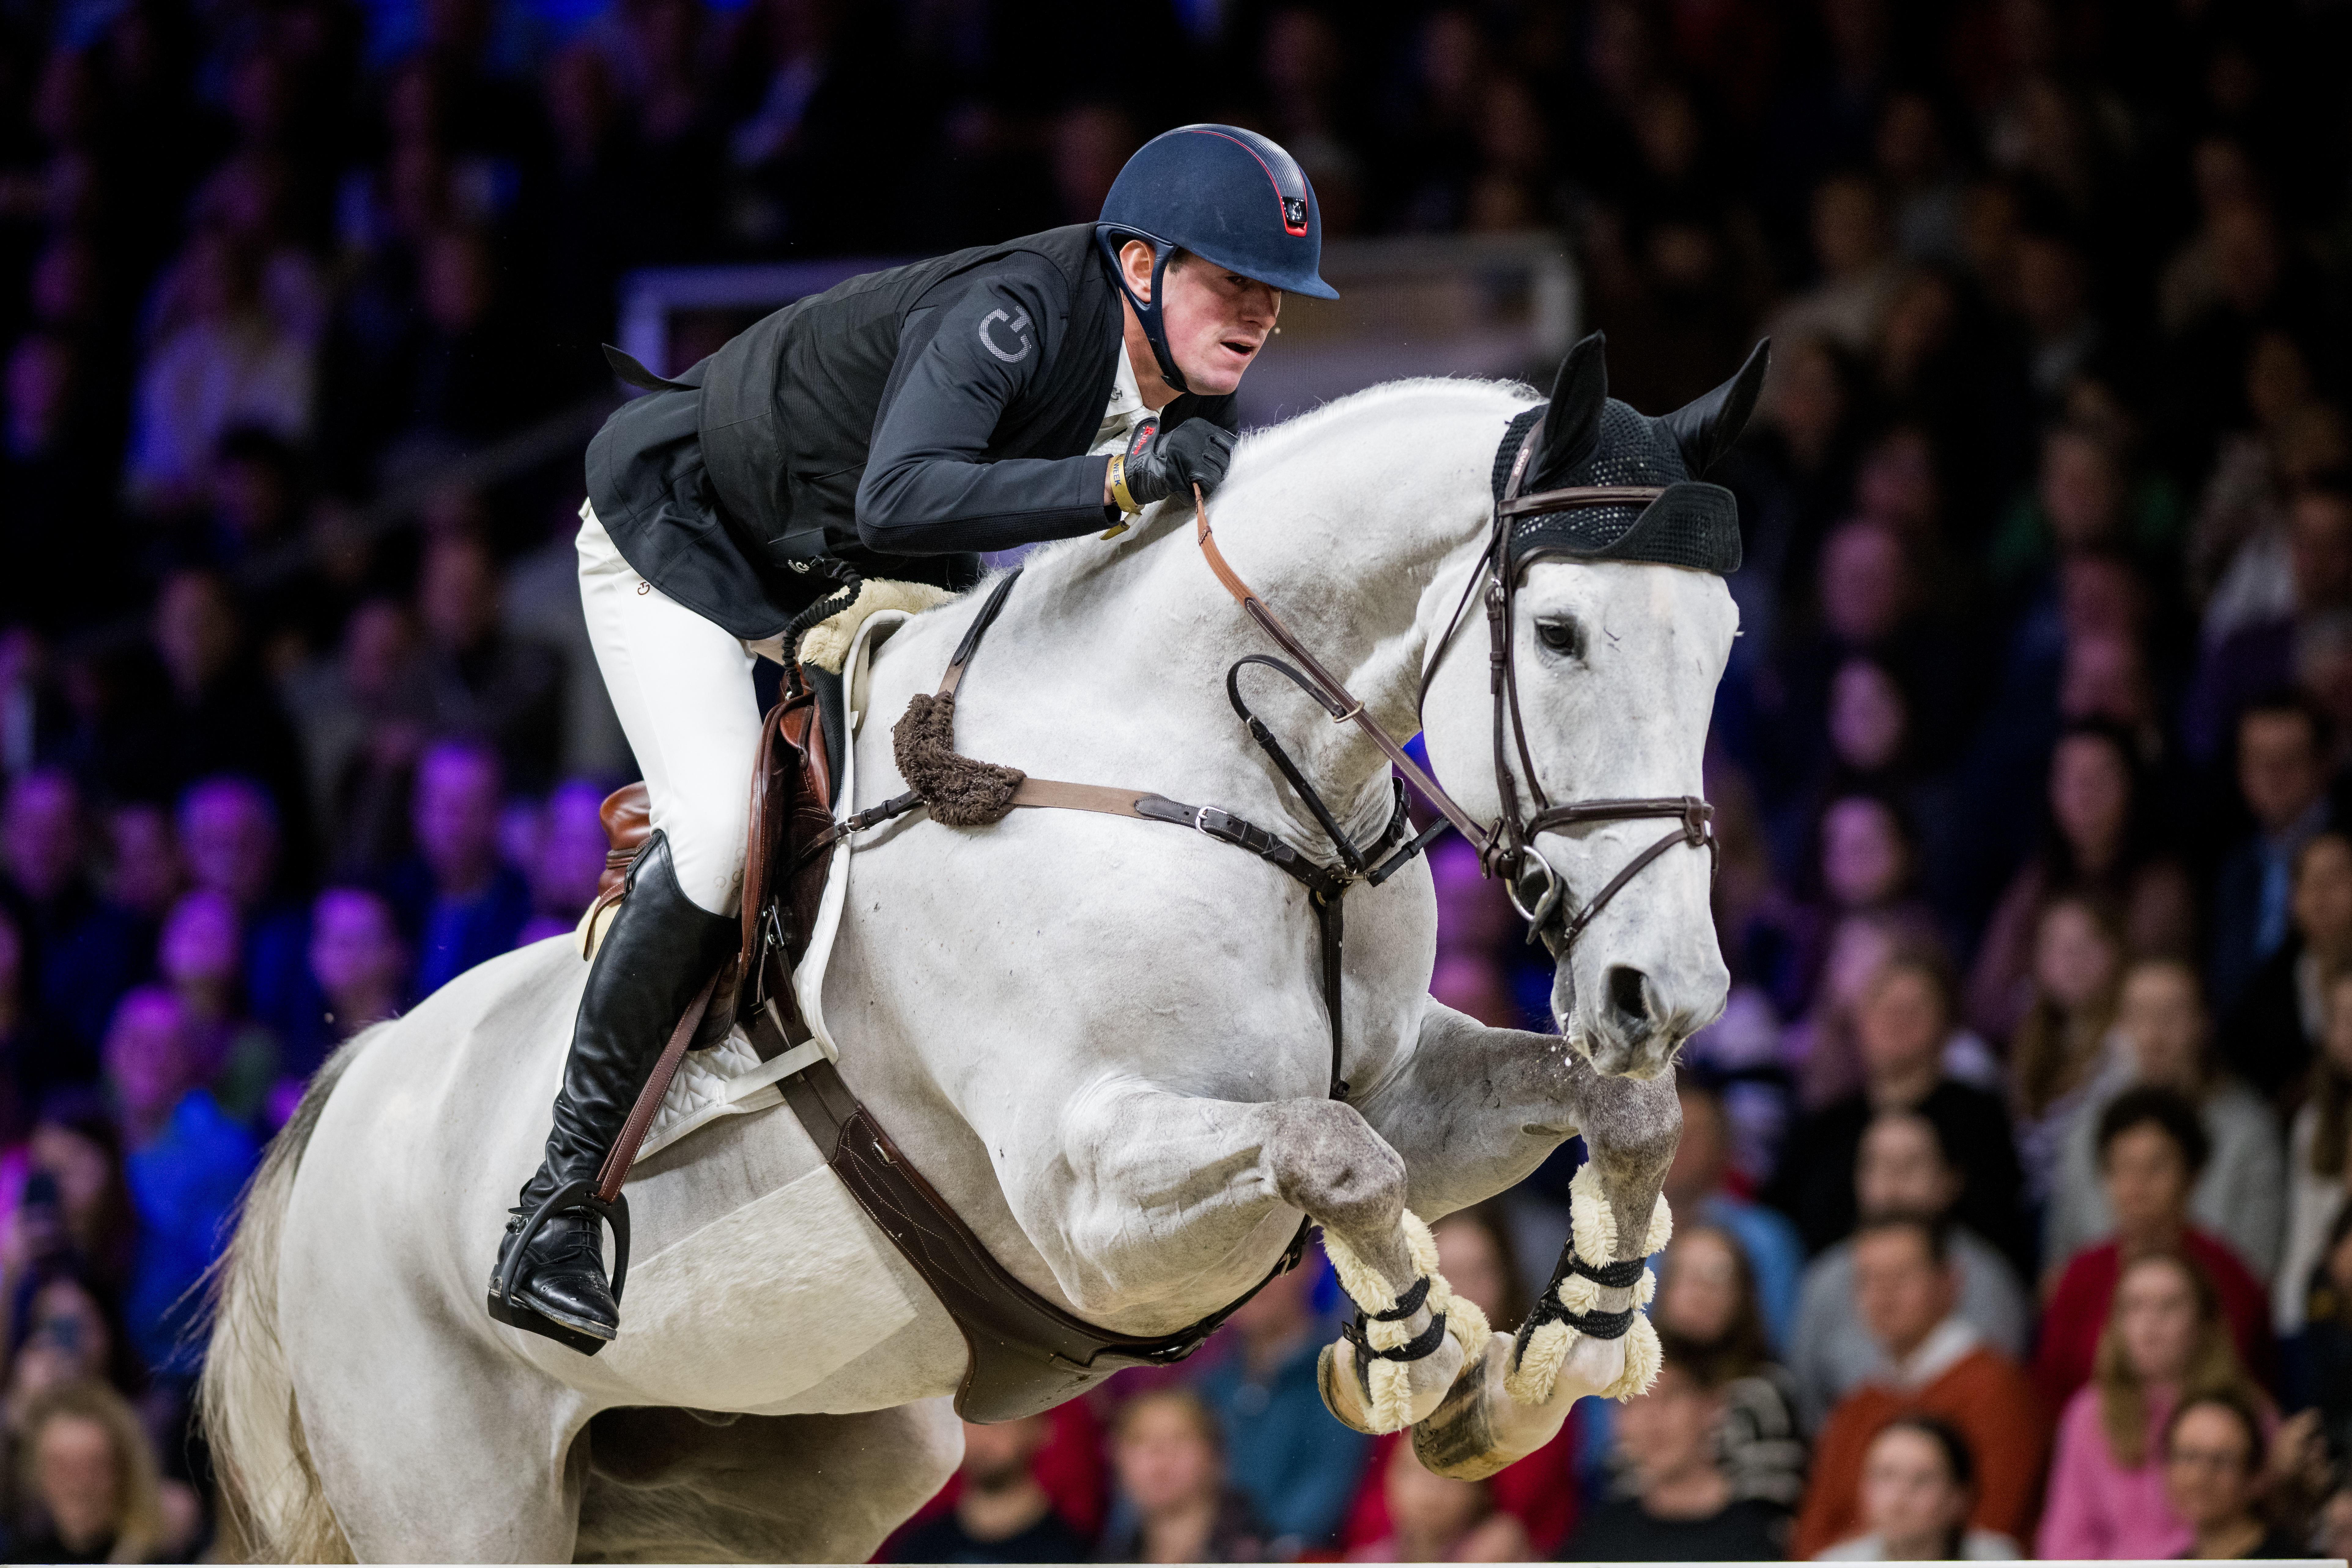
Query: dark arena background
x,y
2012,1201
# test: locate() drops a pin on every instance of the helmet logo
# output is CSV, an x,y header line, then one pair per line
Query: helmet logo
x,y
1293,214
1017,325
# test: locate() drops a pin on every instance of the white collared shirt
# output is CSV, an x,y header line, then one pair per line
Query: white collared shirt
x,y
1122,413
1946,1345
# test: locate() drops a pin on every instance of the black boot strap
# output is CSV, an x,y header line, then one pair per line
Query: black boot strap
x,y
1423,1343
1406,1305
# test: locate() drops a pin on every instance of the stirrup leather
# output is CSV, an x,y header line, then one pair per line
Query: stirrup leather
x,y
577,1194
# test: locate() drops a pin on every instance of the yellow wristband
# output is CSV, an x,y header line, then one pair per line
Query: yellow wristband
x,y
1119,490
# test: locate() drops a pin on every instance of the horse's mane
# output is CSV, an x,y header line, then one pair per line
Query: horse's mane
x,y
1272,441
1375,400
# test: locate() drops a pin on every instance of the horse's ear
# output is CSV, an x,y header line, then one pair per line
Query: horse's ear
x,y
1573,421
1706,427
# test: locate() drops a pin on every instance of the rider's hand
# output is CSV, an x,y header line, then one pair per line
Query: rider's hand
x,y
1173,461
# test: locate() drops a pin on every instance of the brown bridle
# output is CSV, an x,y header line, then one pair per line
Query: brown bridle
x,y
1507,848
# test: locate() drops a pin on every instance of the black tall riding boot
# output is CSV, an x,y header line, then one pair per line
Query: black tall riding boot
x,y
659,950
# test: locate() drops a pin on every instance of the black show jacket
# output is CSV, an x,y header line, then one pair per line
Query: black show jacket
x,y
902,421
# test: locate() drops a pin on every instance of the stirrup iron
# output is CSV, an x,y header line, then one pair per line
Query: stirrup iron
x,y
576,1195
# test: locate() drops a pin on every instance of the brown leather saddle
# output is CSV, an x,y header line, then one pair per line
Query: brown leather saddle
x,y
1026,1354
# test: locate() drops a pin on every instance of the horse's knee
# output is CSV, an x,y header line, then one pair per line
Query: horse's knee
x,y
1329,1162
1632,1127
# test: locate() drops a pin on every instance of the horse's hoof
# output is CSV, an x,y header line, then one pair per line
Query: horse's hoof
x,y
1343,1392
516,1315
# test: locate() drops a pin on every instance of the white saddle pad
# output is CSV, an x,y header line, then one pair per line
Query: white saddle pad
x,y
729,1079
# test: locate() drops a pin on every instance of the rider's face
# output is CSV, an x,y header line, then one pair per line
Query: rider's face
x,y
1216,321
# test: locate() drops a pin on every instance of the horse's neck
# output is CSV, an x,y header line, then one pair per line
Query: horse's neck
x,y
1350,525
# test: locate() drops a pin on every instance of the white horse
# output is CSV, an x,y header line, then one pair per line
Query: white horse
x,y
1105,1040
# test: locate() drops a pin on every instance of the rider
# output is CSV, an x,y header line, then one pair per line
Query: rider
x,y
902,422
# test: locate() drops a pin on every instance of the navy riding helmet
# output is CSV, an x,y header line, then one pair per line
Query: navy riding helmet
x,y
1229,196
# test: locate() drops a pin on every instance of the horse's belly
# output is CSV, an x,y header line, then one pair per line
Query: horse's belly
x,y
757,1310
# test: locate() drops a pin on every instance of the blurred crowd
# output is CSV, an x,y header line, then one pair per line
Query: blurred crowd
x,y
2012,1207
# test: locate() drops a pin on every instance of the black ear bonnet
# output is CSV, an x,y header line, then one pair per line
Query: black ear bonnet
x,y
1591,438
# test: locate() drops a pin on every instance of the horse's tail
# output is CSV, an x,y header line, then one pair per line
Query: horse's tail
x,y
273,1509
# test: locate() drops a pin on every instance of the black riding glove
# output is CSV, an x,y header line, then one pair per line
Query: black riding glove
x,y
1170,462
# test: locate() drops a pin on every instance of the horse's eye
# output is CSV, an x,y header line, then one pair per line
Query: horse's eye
x,y
1563,637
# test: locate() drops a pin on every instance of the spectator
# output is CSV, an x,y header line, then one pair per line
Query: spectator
x,y
1877,748
83,1209
2270,1037
1696,1190
80,954
2078,965
2164,1339
2283,746
187,1163
199,960
1858,948
483,682
358,957
229,365
2161,1033
363,716
230,835
1918,1483
216,712
1905,1168
1174,1504
2100,839
2151,1147
65,1328
2238,544
1441,1521
1708,1302
145,872
1906,1292
1860,275
1867,854
1297,1466
91,1484
2319,1157
2213,1456
458,905
1682,1508
2258,660
1002,1514
1904,1025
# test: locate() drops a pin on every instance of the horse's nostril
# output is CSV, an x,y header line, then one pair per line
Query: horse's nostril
x,y
1628,993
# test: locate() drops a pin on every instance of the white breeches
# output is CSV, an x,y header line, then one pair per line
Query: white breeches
x,y
683,690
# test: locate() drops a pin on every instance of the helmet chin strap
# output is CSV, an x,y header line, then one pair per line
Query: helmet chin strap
x,y
1146,310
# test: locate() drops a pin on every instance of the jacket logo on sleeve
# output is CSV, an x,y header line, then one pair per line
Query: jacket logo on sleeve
x,y
1016,325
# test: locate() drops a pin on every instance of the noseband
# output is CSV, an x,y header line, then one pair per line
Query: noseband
x,y
1507,848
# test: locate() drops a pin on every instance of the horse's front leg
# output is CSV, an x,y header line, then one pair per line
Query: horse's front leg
x,y
1473,1110
1202,1171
